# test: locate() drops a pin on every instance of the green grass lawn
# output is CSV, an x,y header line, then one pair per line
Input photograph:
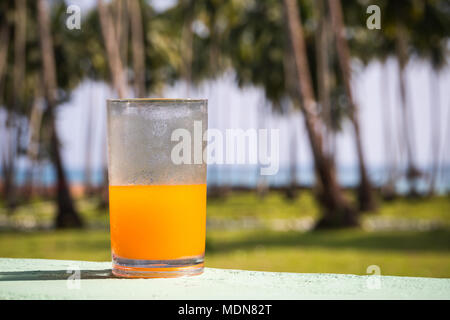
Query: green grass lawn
x,y
406,253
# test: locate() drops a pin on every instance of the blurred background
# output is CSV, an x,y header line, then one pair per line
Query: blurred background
x,y
358,89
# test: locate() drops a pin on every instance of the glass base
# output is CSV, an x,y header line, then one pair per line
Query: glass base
x,y
133,268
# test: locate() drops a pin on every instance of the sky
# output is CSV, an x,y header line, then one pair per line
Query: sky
x,y
233,107
85,5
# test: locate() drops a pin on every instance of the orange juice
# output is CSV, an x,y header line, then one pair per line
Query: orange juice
x,y
157,222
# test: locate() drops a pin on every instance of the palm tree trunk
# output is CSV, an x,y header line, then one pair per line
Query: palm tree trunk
x,y
365,193
187,44
435,117
290,77
33,139
323,74
262,186
412,172
120,15
9,159
4,38
446,152
337,211
388,189
112,51
66,216
6,170
18,79
88,144
104,192
137,39
19,50
116,68
292,188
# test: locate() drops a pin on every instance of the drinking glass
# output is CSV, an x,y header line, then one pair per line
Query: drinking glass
x,y
157,203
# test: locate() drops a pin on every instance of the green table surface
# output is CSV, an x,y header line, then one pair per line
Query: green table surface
x,y
56,279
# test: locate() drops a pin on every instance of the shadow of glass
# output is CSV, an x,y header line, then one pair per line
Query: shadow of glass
x,y
55,275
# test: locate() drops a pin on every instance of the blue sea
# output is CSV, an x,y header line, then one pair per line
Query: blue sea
x,y
248,176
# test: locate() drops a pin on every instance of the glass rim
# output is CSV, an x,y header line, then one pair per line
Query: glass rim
x,y
166,100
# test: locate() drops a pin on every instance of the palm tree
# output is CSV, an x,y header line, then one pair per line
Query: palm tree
x,y
19,49
365,192
388,189
88,144
412,171
430,42
137,40
4,38
116,69
290,80
120,15
323,72
435,117
423,30
7,161
67,216
35,124
112,49
18,78
187,39
337,211
409,28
